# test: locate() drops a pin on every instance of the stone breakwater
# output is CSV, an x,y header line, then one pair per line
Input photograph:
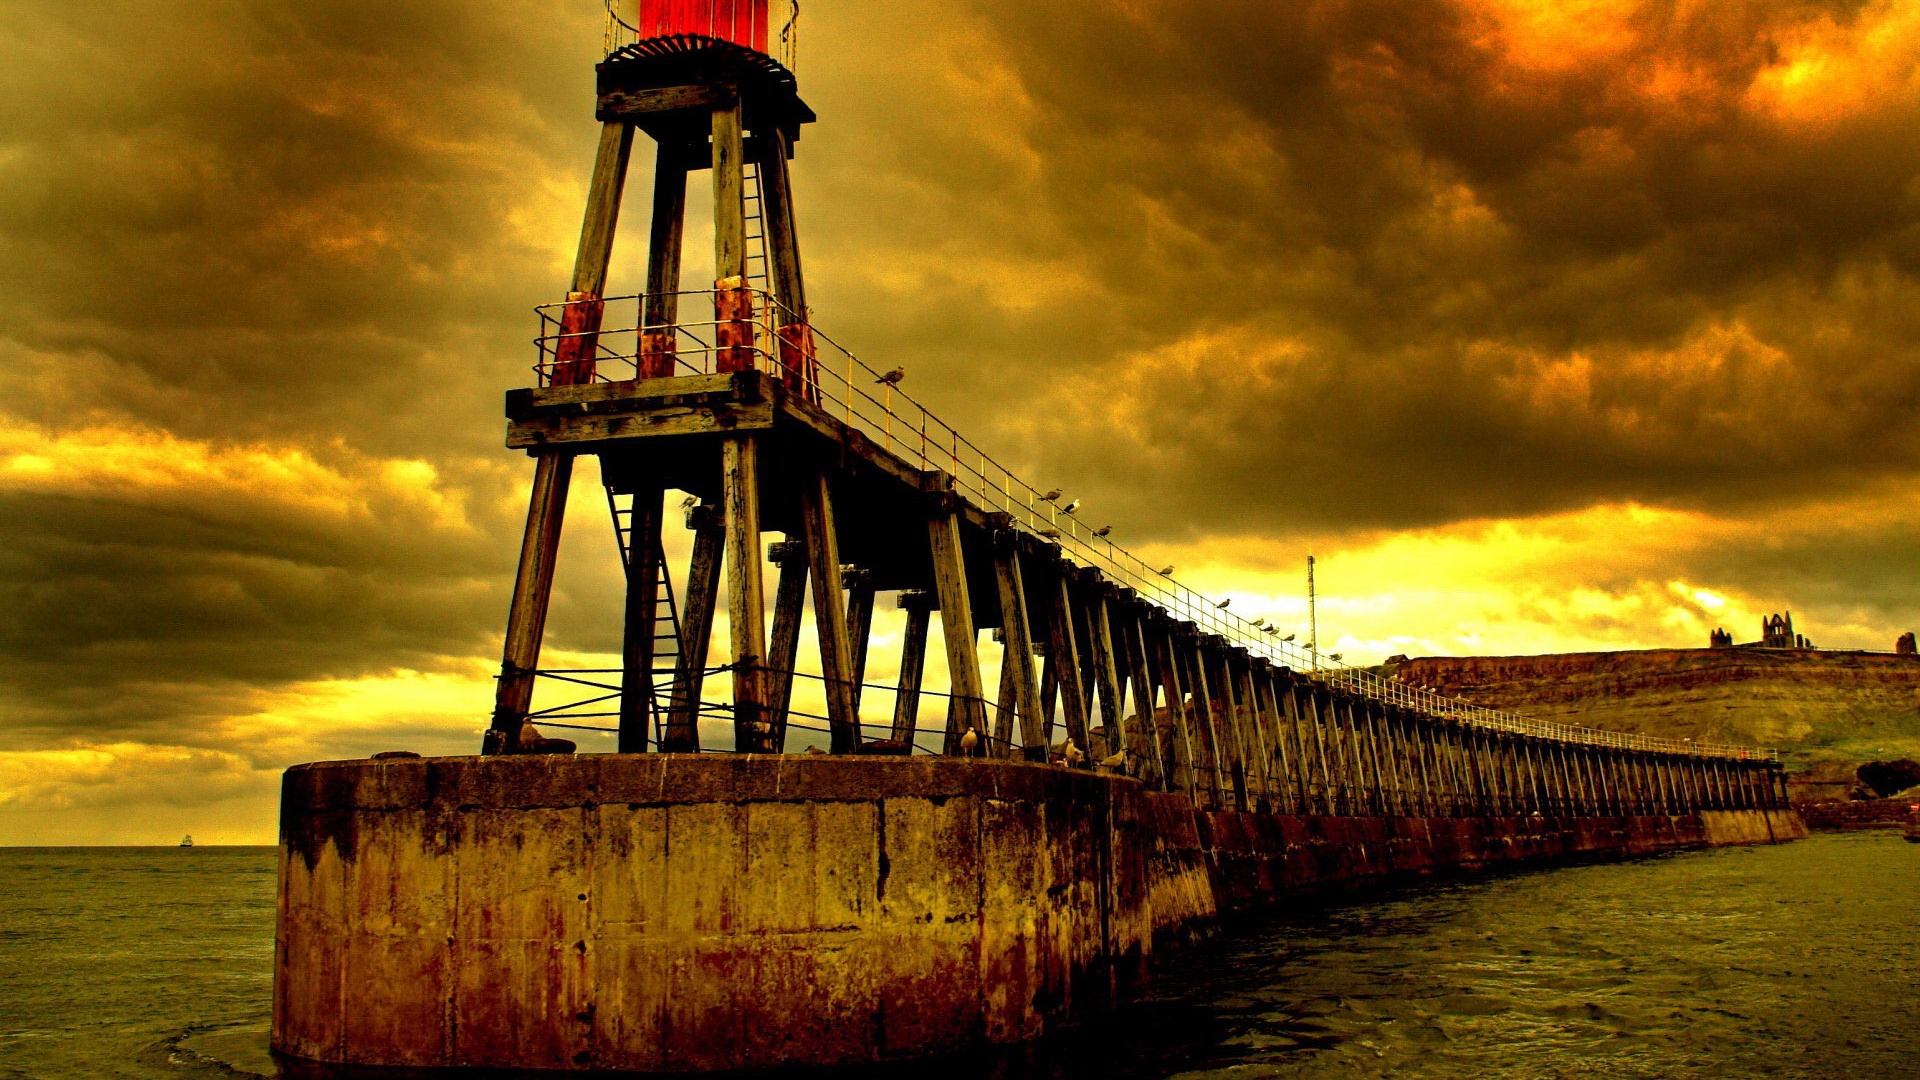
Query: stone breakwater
x,y
1837,815
683,913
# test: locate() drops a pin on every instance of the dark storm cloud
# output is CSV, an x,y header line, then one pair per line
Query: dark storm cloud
x,y
263,255
1413,271
244,217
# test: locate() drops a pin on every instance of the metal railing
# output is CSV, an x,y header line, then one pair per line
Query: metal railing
x,y
823,371
726,19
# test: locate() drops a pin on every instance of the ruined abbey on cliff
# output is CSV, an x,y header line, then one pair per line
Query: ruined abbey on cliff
x,y
1776,632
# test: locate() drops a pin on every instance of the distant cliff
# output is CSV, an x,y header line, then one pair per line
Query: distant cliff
x,y
1825,711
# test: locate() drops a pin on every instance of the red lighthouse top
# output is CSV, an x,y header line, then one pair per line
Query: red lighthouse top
x,y
743,22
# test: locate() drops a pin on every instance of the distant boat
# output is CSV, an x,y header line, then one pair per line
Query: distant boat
x,y
186,841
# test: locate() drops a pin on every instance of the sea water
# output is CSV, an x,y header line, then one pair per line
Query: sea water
x,y
1801,960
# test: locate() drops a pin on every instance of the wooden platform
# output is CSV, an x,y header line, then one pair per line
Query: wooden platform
x,y
670,431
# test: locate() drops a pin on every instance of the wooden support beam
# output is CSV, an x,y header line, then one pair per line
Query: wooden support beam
x,y
682,735
662,309
1255,761
776,195
1286,711
1016,628
1149,743
641,625
1006,707
859,585
969,707
1230,747
532,591
1049,696
1213,769
746,595
913,662
798,356
1353,777
1167,658
1063,653
829,616
602,217
1106,669
1306,743
553,474
783,648
729,195
1373,780
632,105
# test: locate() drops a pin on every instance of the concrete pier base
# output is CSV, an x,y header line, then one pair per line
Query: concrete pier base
x,y
685,913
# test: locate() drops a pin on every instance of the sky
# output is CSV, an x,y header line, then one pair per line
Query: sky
x,y
1544,326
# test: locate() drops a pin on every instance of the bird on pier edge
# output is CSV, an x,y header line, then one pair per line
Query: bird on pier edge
x,y
892,378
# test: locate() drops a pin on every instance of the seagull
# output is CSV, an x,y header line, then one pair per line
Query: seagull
x,y
1115,761
1103,530
815,750
1070,507
968,741
1289,637
892,378
1333,656
1051,495
1073,754
1168,572
1223,604
689,502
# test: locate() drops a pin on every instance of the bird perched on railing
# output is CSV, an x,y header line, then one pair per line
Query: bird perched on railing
x,y
969,741
1072,754
1051,495
1289,637
1103,530
1116,762
1070,507
1222,605
1168,572
892,378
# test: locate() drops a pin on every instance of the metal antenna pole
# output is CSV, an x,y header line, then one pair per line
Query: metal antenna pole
x,y
1313,619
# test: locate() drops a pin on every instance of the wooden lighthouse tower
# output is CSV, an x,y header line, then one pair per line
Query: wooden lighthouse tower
x,y
696,77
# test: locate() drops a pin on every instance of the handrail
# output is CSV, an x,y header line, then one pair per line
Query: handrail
x,y
865,399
